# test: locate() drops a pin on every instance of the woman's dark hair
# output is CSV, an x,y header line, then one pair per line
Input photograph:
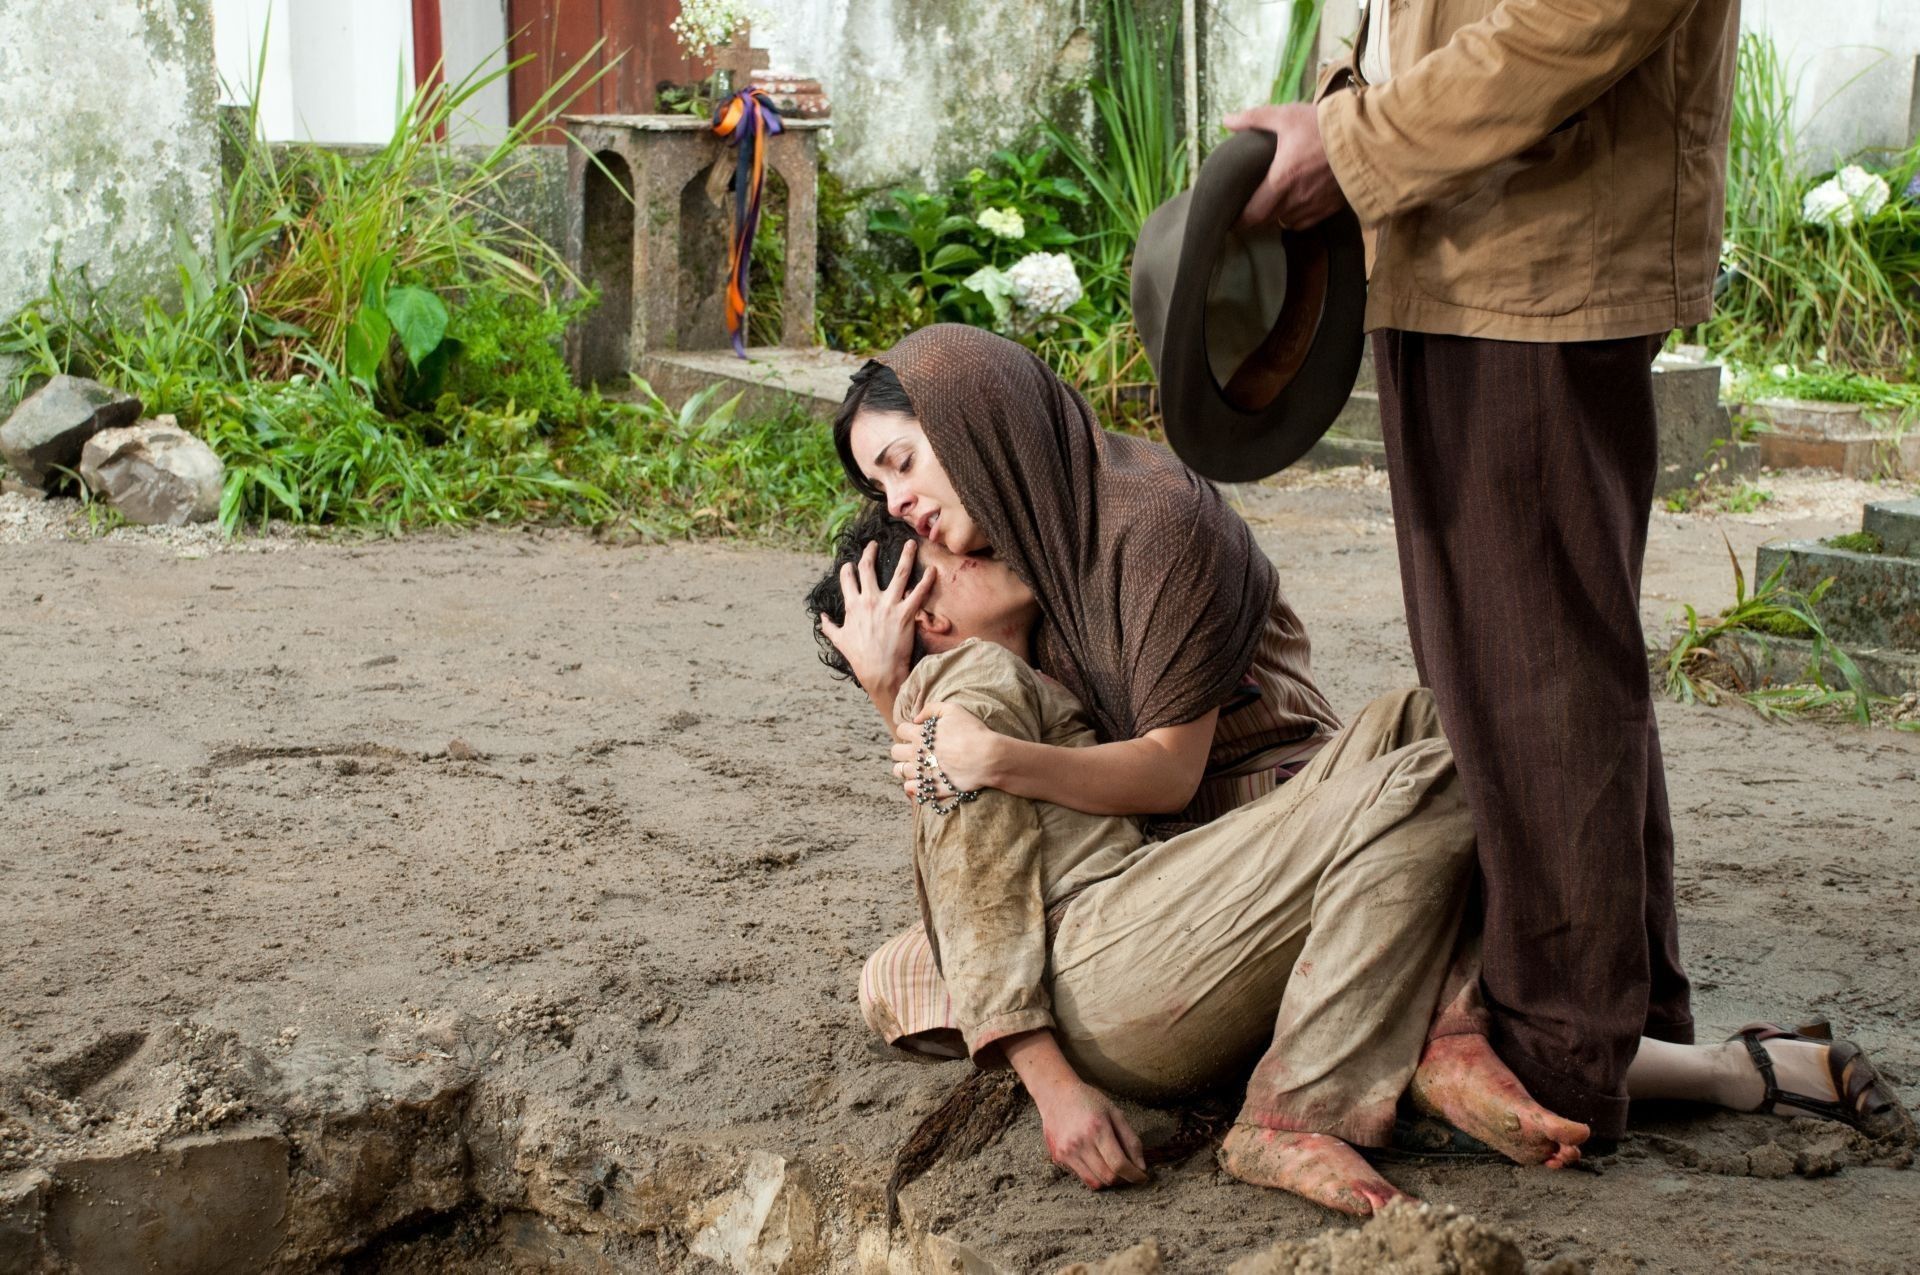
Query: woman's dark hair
x,y
875,389
871,524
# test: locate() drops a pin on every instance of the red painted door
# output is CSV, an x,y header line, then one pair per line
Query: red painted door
x,y
558,36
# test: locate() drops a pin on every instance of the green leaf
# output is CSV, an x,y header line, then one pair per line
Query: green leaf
x,y
374,291
886,221
953,254
419,320
367,338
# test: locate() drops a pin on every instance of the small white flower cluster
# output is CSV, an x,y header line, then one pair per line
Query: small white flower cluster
x,y
1852,192
1044,283
1007,223
703,24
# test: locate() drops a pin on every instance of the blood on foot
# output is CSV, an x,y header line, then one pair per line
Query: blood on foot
x,y
1316,1166
1461,1079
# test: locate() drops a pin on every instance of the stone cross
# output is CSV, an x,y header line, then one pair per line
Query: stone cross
x,y
739,59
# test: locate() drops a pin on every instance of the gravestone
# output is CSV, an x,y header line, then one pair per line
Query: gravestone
x,y
1872,609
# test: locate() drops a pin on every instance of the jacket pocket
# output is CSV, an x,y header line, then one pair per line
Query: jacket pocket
x,y
1520,240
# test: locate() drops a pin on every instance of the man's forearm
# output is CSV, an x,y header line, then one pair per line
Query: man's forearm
x,y
1494,89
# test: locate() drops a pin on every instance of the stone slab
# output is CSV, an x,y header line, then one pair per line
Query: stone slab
x,y
1852,439
1897,523
1359,418
1874,600
773,380
1779,661
208,1204
1693,427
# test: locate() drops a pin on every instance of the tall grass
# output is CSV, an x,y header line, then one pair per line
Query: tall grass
x,y
1136,159
1847,296
1293,82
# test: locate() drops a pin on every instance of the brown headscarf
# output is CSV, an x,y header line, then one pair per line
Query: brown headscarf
x,y
1153,592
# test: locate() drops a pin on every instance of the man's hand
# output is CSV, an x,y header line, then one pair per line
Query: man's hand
x,y
1300,189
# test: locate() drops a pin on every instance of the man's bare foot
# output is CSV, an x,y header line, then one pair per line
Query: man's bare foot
x,y
1461,1080
1315,1165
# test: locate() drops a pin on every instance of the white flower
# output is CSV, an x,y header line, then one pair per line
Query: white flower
x,y
1007,223
1044,283
1851,192
703,24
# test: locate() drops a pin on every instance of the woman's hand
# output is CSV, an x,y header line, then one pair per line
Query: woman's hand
x,y
1089,1137
963,746
877,636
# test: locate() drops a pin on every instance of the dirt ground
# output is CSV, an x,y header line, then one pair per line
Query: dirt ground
x,y
590,821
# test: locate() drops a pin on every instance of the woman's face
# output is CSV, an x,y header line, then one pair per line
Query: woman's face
x,y
896,457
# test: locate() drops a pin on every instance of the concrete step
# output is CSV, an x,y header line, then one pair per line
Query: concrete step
x,y
1853,440
771,380
1779,661
1874,600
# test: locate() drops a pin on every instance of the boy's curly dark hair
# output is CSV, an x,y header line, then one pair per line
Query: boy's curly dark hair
x,y
871,525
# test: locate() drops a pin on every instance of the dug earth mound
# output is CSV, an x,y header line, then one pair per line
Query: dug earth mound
x,y
496,901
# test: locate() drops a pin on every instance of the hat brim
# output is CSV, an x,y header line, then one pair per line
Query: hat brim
x,y
1205,428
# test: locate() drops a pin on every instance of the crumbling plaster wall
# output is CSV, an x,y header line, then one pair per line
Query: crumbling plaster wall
x,y
923,90
109,146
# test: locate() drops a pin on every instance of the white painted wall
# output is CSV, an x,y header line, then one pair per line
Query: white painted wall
x,y
336,70
1856,71
474,36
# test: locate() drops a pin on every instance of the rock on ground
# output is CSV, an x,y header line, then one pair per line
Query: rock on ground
x,y
51,425
1402,1239
154,473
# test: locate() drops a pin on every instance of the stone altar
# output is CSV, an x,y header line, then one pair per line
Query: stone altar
x,y
659,259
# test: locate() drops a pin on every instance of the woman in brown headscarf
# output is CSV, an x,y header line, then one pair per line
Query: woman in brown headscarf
x,y
1158,610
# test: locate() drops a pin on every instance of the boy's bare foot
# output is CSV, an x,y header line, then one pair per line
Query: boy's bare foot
x,y
1462,1080
1315,1165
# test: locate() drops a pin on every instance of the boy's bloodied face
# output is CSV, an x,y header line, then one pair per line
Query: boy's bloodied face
x,y
974,597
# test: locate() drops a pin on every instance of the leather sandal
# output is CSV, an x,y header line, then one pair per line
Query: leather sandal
x,y
1866,1102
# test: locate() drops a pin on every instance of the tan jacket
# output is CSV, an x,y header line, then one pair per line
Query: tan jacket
x,y
1539,170
986,881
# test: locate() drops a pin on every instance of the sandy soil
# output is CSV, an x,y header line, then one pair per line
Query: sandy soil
x,y
592,820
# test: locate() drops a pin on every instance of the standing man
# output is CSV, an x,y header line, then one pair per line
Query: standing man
x,y
1544,183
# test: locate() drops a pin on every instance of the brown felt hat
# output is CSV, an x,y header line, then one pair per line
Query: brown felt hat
x,y
1255,334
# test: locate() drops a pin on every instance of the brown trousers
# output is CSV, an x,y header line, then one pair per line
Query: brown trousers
x,y
1522,478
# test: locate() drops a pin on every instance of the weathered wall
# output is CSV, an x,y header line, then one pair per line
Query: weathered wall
x,y
922,90
1855,69
109,145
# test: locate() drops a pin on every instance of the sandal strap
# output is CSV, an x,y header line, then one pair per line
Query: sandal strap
x,y
1860,1094
1763,1063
